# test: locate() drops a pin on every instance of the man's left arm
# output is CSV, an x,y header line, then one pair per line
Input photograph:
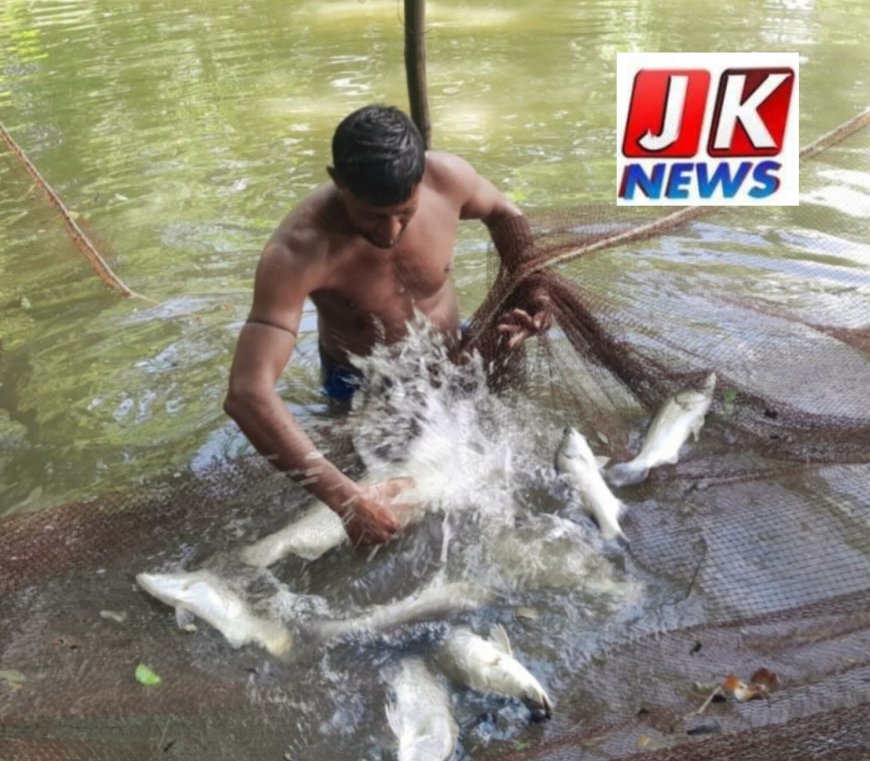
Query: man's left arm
x,y
512,237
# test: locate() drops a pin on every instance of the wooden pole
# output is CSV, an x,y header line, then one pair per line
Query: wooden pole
x,y
415,66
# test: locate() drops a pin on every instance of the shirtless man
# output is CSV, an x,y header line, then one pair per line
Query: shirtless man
x,y
367,248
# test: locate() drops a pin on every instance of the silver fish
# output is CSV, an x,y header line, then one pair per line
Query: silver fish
x,y
320,529
680,416
434,601
579,467
420,714
202,594
310,536
488,665
551,552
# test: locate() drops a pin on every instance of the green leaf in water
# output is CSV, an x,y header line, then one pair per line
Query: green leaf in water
x,y
12,678
729,397
144,675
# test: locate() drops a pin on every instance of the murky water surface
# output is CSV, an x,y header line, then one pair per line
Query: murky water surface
x,y
179,135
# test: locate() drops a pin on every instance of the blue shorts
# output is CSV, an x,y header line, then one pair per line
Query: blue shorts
x,y
339,381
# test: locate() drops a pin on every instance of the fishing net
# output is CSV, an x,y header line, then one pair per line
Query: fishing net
x,y
749,557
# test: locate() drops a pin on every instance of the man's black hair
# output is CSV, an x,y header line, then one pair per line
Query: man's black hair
x,y
378,153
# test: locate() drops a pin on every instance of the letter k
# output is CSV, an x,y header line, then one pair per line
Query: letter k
x,y
733,110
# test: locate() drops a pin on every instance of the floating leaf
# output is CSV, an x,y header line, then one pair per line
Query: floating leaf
x,y
765,679
760,686
729,397
14,679
645,742
144,675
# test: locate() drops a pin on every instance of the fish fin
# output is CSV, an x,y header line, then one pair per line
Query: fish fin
x,y
696,428
445,538
185,619
393,719
498,636
547,704
601,461
195,577
710,383
625,474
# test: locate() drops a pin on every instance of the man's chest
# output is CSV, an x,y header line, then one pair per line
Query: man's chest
x,y
417,268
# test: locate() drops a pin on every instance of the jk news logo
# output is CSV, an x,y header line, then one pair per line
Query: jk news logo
x,y
714,129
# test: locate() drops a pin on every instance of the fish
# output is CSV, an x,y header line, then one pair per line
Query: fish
x,y
489,666
206,596
420,714
549,552
434,601
580,469
317,531
681,416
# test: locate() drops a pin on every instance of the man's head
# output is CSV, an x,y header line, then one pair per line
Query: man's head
x,y
378,162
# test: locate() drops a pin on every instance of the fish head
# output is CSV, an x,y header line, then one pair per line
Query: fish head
x,y
573,446
538,702
692,399
166,587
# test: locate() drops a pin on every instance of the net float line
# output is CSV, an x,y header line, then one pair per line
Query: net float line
x,y
488,312
81,240
692,212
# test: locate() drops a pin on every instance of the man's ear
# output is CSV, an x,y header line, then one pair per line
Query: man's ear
x,y
330,170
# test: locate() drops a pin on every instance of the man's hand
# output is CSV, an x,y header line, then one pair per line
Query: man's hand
x,y
518,324
374,517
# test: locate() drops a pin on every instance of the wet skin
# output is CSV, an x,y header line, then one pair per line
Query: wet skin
x,y
366,269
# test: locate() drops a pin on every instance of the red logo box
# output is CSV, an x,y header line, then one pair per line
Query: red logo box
x,y
751,112
655,100
707,129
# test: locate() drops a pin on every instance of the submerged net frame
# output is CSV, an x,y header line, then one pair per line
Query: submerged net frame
x,y
765,541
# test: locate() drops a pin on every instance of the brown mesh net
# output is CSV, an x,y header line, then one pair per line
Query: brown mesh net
x,y
752,552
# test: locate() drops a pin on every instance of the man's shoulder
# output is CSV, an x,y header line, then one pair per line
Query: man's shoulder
x,y
301,234
450,176
447,167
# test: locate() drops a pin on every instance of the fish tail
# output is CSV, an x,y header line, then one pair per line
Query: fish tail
x,y
625,474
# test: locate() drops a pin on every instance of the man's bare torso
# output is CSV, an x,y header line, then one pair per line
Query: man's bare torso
x,y
365,294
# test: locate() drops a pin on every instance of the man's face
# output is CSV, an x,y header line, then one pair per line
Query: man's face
x,y
382,226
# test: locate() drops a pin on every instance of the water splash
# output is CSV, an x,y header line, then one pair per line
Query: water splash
x,y
473,456
427,417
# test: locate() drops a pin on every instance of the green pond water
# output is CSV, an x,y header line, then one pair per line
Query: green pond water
x,y
179,133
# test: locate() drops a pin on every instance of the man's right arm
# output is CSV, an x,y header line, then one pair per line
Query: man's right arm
x,y
264,348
